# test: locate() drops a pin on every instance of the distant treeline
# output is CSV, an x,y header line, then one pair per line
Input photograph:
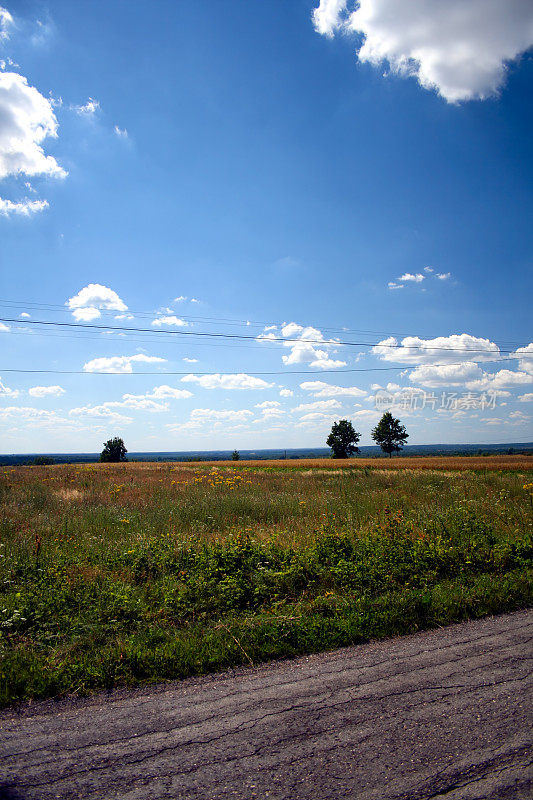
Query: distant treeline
x,y
522,448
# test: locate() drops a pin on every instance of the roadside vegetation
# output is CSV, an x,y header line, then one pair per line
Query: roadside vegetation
x,y
125,573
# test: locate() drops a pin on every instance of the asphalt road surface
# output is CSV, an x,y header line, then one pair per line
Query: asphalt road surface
x,y
441,714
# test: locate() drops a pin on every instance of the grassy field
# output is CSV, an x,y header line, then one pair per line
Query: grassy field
x,y
120,574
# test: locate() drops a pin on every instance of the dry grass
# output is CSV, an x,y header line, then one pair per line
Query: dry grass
x,y
497,462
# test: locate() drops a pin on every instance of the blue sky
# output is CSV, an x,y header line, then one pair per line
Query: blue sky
x,y
343,171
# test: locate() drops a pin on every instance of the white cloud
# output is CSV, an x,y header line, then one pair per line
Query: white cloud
x,y
25,315
180,299
322,361
88,109
190,360
323,389
219,381
304,345
327,18
272,413
394,285
447,375
170,320
408,276
199,416
27,120
160,393
414,350
46,391
103,411
121,364
318,405
4,328
122,133
460,48
137,403
86,314
286,393
525,358
367,414
268,404
86,305
443,276
124,316
5,391
499,380
526,398
22,208
6,20
314,418
429,269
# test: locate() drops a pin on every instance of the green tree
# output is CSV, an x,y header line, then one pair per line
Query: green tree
x,y
390,434
113,451
235,456
343,439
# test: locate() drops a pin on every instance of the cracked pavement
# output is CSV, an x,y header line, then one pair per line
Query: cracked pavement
x,y
439,714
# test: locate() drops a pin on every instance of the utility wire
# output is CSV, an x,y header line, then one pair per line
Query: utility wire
x,y
208,320
241,372
240,336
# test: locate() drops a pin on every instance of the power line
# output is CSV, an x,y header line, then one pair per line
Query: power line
x,y
244,337
241,372
212,320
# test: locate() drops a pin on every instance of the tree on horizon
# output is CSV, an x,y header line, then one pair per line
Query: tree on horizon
x,y
390,434
114,451
343,439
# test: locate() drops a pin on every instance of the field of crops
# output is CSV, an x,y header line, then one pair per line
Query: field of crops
x,y
120,574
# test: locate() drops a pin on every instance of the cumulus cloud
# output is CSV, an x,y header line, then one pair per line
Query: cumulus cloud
x,y
414,350
443,276
170,320
286,393
492,381
4,328
86,305
526,398
46,391
121,364
268,404
408,276
201,416
460,48
327,18
220,381
27,120
446,375
102,412
190,360
308,345
323,389
318,405
22,208
137,403
160,393
525,358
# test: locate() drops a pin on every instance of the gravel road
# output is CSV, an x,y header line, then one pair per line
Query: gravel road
x,y
439,714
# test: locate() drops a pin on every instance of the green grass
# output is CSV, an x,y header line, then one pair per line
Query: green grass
x,y
131,574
